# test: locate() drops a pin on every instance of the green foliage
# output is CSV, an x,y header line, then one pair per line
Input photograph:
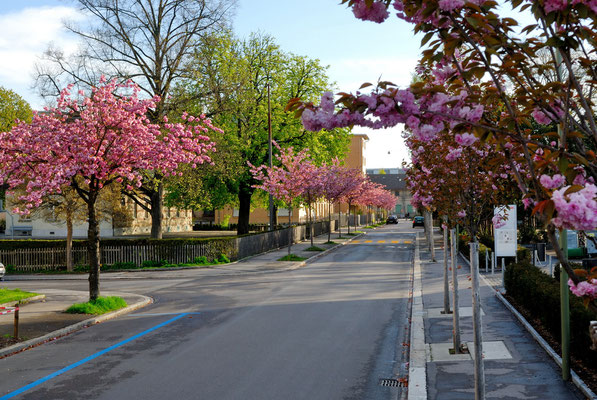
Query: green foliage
x,y
8,295
12,107
539,294
330,242
101,305
153,264
229,80
200,260
222,259
314,248
291,257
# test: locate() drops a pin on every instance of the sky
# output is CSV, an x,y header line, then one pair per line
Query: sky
x,y
355,51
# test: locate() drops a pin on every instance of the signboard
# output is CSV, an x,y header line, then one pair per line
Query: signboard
x,y
505,236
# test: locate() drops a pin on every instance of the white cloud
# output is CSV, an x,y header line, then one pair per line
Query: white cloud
x,y
24,36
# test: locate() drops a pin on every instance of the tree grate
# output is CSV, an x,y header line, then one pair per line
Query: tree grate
x,y
388,382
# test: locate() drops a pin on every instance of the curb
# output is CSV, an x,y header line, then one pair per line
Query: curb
x,y
576,380
28,300
417,367
19,347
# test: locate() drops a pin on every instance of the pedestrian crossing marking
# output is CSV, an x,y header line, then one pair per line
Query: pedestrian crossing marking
x,y
381,241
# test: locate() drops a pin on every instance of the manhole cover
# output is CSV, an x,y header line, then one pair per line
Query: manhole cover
x,y
402,382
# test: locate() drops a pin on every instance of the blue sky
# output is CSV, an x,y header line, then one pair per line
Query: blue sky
x,y
356,51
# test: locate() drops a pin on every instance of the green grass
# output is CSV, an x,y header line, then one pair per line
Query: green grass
x,y
101,305
291,257
370,227
331,242
314,248
355,233
8,295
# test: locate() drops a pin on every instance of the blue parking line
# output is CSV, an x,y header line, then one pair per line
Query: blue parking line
x,y
86,359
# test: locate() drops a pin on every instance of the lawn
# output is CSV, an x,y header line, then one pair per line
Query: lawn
x,y
101,305
8,295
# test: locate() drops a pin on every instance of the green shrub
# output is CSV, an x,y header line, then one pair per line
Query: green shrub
x,y
291,257
152,264
539,294
101,305
223,259
200,260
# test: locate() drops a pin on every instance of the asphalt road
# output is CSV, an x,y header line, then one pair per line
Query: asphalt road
x,y
330,330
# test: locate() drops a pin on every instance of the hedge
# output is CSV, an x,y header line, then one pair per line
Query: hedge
x,y
539,294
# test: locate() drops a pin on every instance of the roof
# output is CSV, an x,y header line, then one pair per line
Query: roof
x,y
389,181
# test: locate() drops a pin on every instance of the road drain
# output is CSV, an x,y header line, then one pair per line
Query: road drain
x,y
402,382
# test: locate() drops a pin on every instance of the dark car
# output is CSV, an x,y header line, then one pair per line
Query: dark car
x,y
418,221
392,219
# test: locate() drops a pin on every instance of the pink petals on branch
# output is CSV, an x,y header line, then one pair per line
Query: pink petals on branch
x,y
465,139
584,288
553,182
377,12
576,210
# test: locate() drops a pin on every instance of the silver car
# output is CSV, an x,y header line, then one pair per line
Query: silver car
x,y
2,271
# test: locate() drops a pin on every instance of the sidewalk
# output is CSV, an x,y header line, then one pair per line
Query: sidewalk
x,y
516,367
44,320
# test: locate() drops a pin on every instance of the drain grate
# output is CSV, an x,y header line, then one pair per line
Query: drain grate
x,y
401,382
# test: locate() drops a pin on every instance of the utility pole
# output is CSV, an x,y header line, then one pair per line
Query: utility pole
x,y
272,217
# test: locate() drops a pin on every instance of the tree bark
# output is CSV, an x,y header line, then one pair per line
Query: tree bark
x,y
455,306
157,214
290,228
69,242
329,222
93,248
349,220
244,208
479,373
446,280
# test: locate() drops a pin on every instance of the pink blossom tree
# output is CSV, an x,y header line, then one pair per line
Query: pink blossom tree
x,y
90,144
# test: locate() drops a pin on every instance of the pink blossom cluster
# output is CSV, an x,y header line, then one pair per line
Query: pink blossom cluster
x,y
376,12
584,288
106,137
552,182
576,210
498,221
465,139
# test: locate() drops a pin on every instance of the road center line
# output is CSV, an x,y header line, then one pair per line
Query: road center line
x,y
89,358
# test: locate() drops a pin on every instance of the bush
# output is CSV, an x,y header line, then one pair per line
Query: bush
x,y
539,294
200,260
222,259
152,264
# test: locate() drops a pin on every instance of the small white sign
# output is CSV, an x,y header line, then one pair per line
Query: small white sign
x,y
505,236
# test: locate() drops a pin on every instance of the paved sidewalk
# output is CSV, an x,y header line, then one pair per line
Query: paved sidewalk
x,y
45,319
516,367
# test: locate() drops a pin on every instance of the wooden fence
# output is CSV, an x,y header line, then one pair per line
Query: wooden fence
x,y
37,259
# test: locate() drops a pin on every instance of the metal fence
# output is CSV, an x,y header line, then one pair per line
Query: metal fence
x,y
36,259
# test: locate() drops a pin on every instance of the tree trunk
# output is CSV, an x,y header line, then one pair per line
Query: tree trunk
x,y
329,222
477,323
244,208
311,221
339,221
275,219
93,248
348,220
455,307
446,280
290,229
157,214
69,242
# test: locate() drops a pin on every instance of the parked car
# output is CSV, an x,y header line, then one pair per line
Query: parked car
x,y
418,221
2,271
392,219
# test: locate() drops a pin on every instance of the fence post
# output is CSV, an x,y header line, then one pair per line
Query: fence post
x,y
16,323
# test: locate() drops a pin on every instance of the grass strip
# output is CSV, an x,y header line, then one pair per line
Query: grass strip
x,y
314,248
291,257
101,305
8,295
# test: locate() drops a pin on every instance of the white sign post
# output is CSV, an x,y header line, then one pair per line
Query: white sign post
x,y
505,236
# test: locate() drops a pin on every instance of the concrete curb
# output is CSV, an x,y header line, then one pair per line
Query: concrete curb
x,y
19,347
579,383
417,368
28,300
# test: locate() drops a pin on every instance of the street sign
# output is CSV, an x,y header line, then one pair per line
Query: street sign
x,y
505,236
